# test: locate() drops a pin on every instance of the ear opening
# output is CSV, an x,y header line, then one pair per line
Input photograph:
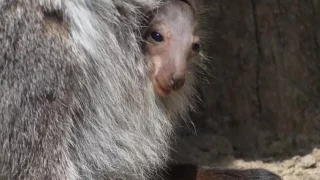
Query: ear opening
x,y
191,3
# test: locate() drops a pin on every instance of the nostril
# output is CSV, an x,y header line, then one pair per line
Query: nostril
x,y
178,82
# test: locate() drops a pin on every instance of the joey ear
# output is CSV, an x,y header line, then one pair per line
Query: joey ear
x,y
192,4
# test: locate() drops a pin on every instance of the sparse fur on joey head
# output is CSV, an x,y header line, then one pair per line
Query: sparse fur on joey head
x,y
171,42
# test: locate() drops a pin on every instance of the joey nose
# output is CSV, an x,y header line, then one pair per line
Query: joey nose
x,y
178,81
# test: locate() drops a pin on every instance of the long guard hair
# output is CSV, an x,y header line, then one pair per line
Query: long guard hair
x,y
76,101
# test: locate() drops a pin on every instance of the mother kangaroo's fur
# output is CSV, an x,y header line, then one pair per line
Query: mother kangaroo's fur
x,y
76,101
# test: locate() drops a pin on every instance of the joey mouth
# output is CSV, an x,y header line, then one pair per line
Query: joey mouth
x,y
161,87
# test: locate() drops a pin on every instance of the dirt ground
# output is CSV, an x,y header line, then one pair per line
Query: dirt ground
x,y
296,168
212,150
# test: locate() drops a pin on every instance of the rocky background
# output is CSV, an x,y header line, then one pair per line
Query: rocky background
x,y
261,102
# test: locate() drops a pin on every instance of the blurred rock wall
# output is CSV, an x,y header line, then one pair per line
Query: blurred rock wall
x,y
262,97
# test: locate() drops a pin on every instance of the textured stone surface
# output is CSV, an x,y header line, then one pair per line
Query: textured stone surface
x,y
261,102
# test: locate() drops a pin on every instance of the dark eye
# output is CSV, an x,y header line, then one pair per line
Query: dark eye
x,y
156,36
196,47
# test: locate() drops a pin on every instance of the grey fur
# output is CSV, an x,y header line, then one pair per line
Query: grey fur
x,y
75,98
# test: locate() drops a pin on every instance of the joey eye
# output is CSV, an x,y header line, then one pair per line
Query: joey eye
x,y
156,36
196,47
